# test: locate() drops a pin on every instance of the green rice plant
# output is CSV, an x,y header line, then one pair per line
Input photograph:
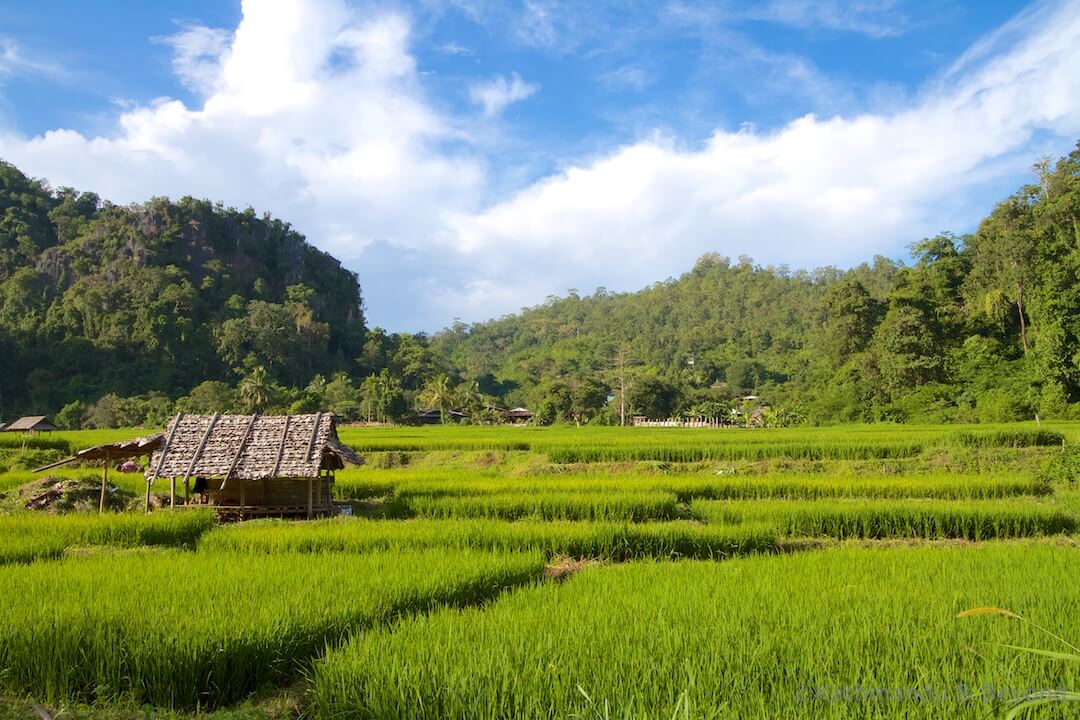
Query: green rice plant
x,y
568,445
1039,697
631,506
742,451
843,633
180,630
81,439
687,487
810,487
361,484
1011,438
26,537
978,520
613,541
36,441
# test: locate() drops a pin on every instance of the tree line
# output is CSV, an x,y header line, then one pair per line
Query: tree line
x,y
115,315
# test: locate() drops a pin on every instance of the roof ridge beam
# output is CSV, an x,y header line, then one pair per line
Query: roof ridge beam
x,y
202,446
281,446
239,450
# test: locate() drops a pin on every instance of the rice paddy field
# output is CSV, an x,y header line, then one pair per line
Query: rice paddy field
x,y
854,572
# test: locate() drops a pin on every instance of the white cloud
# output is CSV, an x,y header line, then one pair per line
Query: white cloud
x,y
499,92
198,53
627,77
15,61
452,48
314,111
874,18
815,191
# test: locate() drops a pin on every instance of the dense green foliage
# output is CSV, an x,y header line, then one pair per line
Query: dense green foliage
x,y
116,316
984,327
842,633
153,299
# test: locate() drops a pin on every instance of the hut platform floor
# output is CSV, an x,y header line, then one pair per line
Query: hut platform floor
x,y
282,511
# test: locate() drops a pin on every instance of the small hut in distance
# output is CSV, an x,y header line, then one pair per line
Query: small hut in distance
x,y
32,424
252,465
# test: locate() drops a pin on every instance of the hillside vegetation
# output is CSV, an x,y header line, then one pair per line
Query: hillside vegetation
x,y
126,315
96,298
983,326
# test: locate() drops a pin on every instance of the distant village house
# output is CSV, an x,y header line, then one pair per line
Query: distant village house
x,y
31,424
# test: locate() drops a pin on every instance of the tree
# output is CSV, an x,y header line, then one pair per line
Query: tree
x,y
587,397
206,398
905,351
553,402
653,396
1003,253
850,316
341,398
255,390
468,397
71,416
438,394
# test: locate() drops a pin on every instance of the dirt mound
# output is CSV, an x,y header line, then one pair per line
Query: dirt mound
x,y
60,495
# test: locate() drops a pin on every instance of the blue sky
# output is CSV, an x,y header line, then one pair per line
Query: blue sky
x,y
468,158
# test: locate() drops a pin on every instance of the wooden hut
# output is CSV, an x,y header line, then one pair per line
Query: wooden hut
x,y
31,424
434,416
519,416
250,465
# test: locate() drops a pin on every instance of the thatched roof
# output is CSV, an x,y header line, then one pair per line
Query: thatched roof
x,y
250,447
27,424
113,451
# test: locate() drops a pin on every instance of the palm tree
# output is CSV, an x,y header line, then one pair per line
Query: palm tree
x,y
438,394
255,390
470,399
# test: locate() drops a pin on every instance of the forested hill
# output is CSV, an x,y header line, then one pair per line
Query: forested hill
x,y
984,326
97,298
125,315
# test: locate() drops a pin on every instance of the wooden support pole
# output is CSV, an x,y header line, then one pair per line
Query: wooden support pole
x,y
172,492
310,482
146,505
243,498
187,491
104,484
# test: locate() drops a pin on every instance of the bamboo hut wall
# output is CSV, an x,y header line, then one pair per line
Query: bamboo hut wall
x,y
279,492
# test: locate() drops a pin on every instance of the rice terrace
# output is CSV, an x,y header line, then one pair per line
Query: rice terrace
x,y
570,572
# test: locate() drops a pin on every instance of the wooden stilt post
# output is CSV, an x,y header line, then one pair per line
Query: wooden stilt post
x,y
104,484
310,482
172,492
187,491
243,498
146,505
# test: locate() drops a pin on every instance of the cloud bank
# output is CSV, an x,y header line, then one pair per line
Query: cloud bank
x,y
317,112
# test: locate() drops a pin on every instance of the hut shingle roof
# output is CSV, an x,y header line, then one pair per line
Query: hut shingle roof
x,y
250,447
29,423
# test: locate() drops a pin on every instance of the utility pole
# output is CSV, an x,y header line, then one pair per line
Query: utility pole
x,y
622,394
621,360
